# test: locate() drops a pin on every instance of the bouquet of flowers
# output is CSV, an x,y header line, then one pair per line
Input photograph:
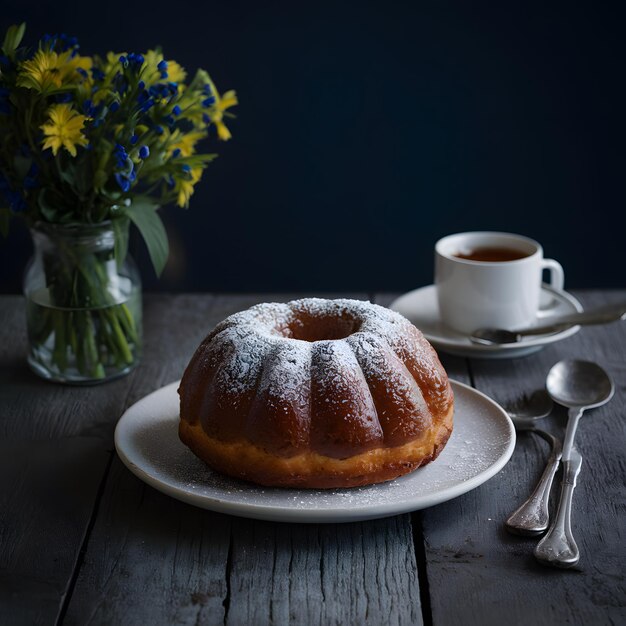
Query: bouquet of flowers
x,y
87,141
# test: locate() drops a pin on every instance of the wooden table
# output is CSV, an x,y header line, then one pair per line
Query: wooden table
x,y
82,541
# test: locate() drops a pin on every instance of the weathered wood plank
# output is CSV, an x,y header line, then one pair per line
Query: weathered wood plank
x,y
151,560
361,573
52,462
48,490
475,568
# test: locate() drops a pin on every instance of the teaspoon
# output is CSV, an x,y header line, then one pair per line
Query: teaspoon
x,y
578,385
532,517
498,336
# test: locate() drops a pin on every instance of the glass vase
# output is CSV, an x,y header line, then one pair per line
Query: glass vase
x,y
83,303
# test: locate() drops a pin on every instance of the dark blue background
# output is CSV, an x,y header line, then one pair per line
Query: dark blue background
x,y
368,130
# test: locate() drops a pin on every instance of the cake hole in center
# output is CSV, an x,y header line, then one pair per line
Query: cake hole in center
x,y
309,328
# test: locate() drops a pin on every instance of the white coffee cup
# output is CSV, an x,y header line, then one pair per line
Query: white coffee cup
x,y
476,294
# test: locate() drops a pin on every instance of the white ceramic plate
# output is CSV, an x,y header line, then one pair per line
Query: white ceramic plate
x,y
421,308
147,441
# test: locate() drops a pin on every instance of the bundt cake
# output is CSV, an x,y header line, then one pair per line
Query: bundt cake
x,y
315,393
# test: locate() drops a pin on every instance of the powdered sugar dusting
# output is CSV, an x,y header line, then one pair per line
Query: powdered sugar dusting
x,y
288,373
287,354
254,331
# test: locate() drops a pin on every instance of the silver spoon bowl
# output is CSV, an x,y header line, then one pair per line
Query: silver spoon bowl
x,y
538,406
578,385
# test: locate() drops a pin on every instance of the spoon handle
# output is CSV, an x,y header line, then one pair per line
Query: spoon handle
x,y
533,516
558,547
598,316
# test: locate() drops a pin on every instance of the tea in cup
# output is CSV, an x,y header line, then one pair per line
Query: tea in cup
x,y
490,280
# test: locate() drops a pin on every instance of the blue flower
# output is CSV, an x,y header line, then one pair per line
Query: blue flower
x,y
176,153
206,90
67,43
159,90
114,106
158,130
147,105
208,102
123,60
133,140
206,119
82,72
120,83
185,168
162,67
144,152
176,110
121,156
97,74
123,182
89,109
134,61
51,40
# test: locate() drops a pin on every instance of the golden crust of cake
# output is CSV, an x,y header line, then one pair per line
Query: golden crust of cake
x,y
315,393
247,461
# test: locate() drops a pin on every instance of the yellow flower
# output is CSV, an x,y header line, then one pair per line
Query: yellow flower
x,y
64,129
228,100
112,64
176,73
49,70
151,74
185,187
185,143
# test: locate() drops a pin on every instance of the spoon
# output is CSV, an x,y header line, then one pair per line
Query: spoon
x,y
532,517
497,336
578,385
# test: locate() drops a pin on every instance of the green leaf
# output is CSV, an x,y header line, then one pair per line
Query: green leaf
x,y
143,214
13,38
5,218
120,228
49,203
195,160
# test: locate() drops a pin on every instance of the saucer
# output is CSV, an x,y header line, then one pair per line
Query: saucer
x,y
421,308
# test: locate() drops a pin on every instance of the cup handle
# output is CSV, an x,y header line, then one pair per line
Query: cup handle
x,y
557,277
